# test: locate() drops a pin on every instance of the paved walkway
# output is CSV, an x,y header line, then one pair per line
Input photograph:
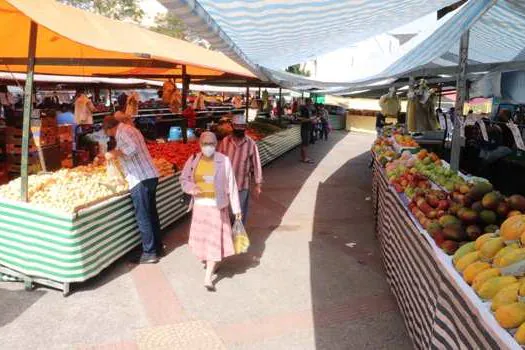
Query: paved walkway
x,y
313,280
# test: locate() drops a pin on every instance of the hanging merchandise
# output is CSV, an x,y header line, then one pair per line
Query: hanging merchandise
x,y
390,104
176,101
421,115
167,90
132,105
265,100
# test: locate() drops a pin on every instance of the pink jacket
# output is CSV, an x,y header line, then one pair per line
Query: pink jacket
x,y
226,191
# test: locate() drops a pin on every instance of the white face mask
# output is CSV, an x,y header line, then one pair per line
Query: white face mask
x,y
208,151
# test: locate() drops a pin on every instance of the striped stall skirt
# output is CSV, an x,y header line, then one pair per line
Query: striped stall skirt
x,y
439,309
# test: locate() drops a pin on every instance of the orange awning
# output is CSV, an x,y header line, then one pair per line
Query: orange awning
x,y
71,41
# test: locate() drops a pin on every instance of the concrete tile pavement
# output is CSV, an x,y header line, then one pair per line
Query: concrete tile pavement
x,y
304,284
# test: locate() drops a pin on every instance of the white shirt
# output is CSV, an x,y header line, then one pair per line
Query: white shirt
x,y
84,110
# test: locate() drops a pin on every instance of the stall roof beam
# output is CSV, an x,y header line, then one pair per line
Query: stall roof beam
x,y
90,62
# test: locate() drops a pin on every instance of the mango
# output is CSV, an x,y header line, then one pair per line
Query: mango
x,y
465,261
463,250
507,295
484,276
490,248
483,238
521,290
512,257
511,315
491,287
473,270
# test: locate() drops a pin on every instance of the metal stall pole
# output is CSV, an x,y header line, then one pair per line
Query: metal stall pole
x,y
440,92
461,94
247,107
28,110
280,109
185,89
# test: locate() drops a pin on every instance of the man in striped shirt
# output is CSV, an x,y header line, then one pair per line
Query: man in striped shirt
x,y
246,162
143,178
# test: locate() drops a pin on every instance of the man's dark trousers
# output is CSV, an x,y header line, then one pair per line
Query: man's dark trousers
x,y
144,200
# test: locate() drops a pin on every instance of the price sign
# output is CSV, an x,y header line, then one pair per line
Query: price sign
x,y
517,135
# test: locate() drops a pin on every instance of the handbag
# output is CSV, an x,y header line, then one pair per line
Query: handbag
x,y
241,242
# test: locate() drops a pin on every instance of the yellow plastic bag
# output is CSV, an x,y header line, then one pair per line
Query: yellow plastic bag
x,y
241,242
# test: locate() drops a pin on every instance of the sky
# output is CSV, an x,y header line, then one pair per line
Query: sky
x,y
151,9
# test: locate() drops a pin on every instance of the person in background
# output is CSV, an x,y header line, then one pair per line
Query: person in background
x,y
380,123
306,116
237,101
84,108
121,114
209,178
199,102
323,123
452,115
65,116
56,99
442,119
246,162
142,178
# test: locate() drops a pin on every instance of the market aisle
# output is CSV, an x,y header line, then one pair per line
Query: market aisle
x,y
313,281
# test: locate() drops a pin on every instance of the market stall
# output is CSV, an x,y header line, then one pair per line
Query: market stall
x,y
57,247
442,303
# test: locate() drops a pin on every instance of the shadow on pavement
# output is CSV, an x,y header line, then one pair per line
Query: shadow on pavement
x,y
14,303
278,194
351,302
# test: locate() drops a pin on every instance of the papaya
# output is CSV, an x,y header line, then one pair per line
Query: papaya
x,y
520,334
465,261
513,228
507,295
511,315
463,250
484,276
512,257
503,252
491,287
521,290
473,270
490,248
483,238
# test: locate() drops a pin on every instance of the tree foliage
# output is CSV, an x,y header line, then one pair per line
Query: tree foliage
x,y
115,9
296,69
169,24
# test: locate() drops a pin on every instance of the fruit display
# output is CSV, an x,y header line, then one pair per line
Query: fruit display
x,y
432,167
405,141
494,266
383,150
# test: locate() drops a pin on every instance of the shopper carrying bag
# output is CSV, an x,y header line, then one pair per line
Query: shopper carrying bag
x,y
209,179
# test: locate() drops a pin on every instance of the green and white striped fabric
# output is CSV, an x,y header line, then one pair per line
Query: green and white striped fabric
x,y
67,248
275,145
40,242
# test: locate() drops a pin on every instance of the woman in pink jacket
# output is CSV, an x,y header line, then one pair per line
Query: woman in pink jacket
x,y
209,178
